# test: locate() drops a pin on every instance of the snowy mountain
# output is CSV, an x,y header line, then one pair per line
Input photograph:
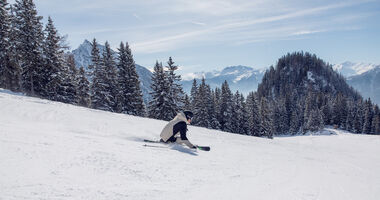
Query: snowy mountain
x,y
349,69
363,77
242,78
368,84
82,57
51,150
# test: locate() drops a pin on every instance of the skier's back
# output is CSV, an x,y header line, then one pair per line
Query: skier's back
x,y
175,130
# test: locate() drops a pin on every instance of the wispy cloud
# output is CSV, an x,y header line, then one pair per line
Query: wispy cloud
x,y
244,30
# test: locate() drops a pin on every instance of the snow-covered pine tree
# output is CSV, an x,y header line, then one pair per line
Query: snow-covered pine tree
x,y
310,104
138,102
83,89
9,70
100,90
111,87
176,94
54,72
339,113
159,104
235,112
29,41
326,113
297,118
350,116
187,105
213,122
266,118
130,96
359,117
226,106
368,115
376,121
15,66
315,121
244,117
254,115
280,117
201,114
193,93
216,99
71,80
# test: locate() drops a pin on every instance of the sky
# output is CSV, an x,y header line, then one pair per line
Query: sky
x,y
206,35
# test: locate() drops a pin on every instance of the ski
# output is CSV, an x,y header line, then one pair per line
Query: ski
x,y
147,145
203,148
151,141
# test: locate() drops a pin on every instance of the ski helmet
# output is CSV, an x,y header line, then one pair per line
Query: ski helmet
x,y
188,114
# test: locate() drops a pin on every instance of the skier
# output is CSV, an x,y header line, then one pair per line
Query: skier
x,y
175,130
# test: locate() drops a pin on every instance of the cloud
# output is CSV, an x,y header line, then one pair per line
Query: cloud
x,y
245,30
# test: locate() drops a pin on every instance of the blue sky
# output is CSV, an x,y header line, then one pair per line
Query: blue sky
x,y
204,35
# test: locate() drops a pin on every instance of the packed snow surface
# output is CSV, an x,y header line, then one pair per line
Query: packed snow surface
x,y
50,150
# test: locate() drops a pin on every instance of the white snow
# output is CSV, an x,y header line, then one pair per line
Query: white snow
x,y
242,76
50,150
310,76
348,69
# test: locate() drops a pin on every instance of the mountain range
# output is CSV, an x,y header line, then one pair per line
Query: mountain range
x,y
363,77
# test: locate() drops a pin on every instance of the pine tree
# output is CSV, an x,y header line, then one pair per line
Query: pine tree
x,y
9,70
235,112
376,121
216,101
187,103
100,91
54,72
212,111
280,117
359,117
138,102
29,37
70,82
297,119
244,119
193,94
130,95
339,113
110,85
254,115
159,104
315,121
226,103
266,118
368,114
350,116
176,93
201,114
83,89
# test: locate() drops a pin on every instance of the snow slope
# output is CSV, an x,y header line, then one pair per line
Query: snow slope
x,y
50,150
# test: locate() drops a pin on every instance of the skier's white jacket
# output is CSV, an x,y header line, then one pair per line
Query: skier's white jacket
x,y
167,132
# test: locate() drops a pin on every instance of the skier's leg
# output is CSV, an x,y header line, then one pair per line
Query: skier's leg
x,y
186,142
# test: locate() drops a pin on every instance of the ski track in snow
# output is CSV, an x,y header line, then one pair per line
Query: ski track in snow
x,y
50,150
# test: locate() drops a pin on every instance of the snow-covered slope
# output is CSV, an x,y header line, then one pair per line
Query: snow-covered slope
x,y
50,150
